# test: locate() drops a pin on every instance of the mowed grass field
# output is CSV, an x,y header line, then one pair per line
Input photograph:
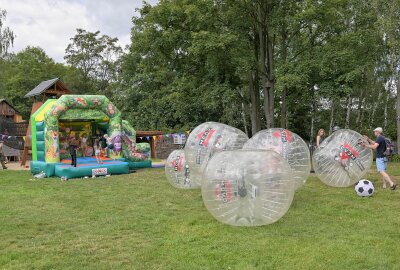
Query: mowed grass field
x,y
139,221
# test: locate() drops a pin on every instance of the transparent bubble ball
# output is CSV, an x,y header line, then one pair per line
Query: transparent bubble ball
x,y
247,187
177,171
341,160
206,140
289,145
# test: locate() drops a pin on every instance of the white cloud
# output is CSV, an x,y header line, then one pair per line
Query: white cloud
x,y
50,24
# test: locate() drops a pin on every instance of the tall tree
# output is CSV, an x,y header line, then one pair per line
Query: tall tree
x,y
6,34
96,59
180,69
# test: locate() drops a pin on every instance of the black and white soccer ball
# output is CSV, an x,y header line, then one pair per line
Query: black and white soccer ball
x,y
364,188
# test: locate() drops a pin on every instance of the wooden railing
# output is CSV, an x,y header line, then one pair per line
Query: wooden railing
x,y
10,128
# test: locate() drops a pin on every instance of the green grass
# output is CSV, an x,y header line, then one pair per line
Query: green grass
x,y
139,221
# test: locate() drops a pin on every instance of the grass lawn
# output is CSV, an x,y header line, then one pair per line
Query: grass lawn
x,y
139,221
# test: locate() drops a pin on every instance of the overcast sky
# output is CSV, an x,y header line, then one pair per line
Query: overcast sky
x,y
50,24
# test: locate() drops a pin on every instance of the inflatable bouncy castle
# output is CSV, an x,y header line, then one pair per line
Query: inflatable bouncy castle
x,y
83,120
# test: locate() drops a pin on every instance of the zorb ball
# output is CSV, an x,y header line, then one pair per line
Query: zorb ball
x,y
247,187
364,188
290,146
206,140
177,170
341,160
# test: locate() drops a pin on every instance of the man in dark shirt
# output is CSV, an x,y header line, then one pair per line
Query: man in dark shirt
x,y
72,150
381,161
103,144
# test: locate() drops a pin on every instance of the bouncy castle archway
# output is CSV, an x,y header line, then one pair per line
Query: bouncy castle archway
x,y
67,102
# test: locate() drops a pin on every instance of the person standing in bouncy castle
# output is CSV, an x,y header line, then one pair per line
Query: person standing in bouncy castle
x,y
84,144
103,145
73,146
381,161
110,145
97,150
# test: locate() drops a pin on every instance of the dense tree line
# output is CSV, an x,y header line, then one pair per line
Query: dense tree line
x,y
301,65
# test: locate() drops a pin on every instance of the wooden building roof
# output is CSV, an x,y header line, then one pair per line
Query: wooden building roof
x,y
53,87
6,108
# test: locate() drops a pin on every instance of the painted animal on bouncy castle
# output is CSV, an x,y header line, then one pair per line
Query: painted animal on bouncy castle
x,y
52,145
117,143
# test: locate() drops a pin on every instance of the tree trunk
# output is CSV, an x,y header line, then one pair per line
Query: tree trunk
x,y
284,36
360,108
385,111
284,109
398,112
332,121
254,94
348,113
271,81
362,111
244,119
266,62
313,117
312,127
262,60
375,106
257,100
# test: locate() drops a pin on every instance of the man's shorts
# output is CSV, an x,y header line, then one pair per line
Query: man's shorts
x,y
381,164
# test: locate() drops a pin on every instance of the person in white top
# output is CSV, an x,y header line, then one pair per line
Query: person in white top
x,y
97,151
110,145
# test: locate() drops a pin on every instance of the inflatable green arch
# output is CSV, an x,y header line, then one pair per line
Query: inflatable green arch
x,y
66,102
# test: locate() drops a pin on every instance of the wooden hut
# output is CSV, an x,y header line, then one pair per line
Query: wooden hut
x,y
9,112
12,130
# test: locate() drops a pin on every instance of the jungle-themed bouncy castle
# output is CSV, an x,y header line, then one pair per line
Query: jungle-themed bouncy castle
x,y
84,119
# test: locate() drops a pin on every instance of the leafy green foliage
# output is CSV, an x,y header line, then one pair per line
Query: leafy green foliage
x,y
179,70
95,58
323,63
395,158
189,62
25,70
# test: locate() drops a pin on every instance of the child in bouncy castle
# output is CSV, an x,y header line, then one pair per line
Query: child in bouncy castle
x,y
84,145
97,151
103,145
